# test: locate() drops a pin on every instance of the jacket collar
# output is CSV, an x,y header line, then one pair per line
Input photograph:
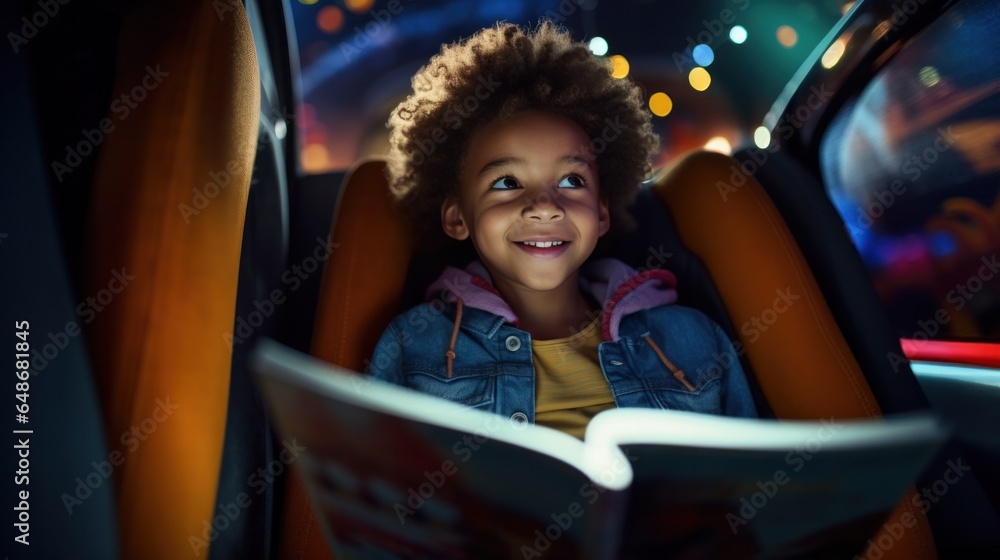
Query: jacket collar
x,y
621,289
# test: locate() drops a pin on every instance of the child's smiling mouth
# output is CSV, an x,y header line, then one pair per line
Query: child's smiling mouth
x,y
543,248
543,244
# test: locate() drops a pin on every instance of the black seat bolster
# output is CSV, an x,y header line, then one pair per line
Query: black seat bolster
x,y
965,517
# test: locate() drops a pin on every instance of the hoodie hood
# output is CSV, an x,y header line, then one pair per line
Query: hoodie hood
x,y
621,290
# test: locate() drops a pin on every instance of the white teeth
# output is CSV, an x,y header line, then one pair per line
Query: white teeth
x,y
542,244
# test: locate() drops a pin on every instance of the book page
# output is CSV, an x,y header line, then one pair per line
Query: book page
x,y
727,487
394,473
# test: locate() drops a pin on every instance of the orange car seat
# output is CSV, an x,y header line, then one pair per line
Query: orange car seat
x,y
738,242
164,229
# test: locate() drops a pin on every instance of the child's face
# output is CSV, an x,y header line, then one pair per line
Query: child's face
x,y
530,200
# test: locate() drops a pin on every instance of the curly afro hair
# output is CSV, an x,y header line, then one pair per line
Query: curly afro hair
x,y
494,74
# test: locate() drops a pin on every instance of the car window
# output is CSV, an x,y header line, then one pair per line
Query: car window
x,y
709,70
913,166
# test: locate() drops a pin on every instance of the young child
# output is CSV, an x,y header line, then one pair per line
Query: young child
x,y
524,144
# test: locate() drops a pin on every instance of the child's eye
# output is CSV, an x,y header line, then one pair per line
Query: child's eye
x,y
572,182
505,184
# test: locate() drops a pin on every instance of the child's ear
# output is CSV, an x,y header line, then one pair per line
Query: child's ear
x,y
603,218
452,220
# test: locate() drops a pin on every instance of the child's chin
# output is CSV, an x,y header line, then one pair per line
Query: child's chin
x,y
545,284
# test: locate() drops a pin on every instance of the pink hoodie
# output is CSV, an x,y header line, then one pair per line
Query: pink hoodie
x,y
621,289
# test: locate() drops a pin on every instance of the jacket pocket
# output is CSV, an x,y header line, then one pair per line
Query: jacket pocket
x,y
706,398
475,388
700,390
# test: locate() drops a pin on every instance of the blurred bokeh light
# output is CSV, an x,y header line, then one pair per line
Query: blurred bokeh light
x,y
833,53
699,78
787,36
660,104
929,76
357,58
619,66
738,34
719,144
703,55
359,6
330,19
598,46
762,137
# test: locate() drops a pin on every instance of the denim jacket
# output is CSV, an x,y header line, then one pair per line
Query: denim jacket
x,y
465,346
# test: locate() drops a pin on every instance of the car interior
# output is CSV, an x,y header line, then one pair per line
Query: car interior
x,y
155,191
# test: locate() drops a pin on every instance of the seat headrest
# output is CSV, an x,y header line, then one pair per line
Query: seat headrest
x,y
792,341
363,280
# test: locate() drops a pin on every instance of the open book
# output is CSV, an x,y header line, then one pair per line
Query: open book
x,y
393,473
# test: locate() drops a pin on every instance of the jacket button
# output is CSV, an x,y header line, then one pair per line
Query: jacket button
x,y
513,343
519,420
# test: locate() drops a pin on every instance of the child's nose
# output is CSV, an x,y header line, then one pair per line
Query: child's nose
x,y
543,206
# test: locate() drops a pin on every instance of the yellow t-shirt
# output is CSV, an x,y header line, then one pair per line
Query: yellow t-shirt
x,y
570,387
